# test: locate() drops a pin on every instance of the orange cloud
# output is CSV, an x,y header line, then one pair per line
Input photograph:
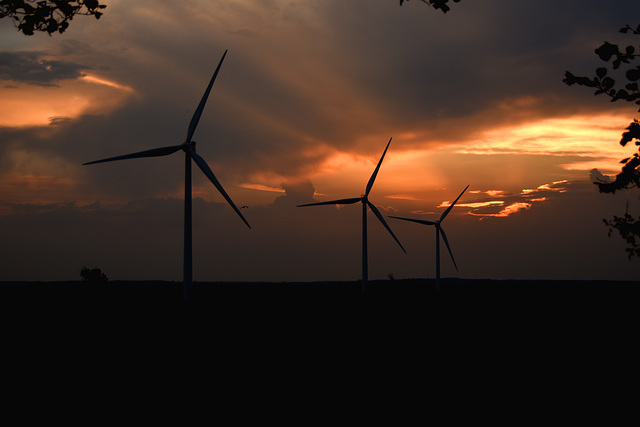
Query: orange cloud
x,y
102,81
261,187
421,212
592,138
547,187
26,105
490,193
401,197
509,210
36,189
474,205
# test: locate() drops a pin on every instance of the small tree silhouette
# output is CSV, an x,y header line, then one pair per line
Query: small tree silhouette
x,y
604,83
93,275
48,16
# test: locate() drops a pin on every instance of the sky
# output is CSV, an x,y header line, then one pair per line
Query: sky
x,y
307,98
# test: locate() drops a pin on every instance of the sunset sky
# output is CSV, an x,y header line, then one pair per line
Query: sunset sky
x,y
307,98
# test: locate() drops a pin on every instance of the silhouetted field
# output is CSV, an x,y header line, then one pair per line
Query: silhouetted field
x,y
410,291
497,322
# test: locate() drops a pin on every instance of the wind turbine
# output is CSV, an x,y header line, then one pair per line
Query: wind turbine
x,y
439,231
364,199
189,147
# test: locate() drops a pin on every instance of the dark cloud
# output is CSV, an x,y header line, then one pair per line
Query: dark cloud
x,y
563,238
32,68
58,120
596,176
296,193
443,78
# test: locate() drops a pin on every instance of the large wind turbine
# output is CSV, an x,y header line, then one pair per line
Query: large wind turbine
x,y
439,231
189,147
364,199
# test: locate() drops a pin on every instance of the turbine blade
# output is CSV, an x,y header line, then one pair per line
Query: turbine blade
x,y
451,206
335,202
381,218
203,101
419,221
155,152
207,171
375,172
446,242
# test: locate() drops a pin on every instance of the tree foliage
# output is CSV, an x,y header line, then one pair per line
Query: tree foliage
x,y
436,4
48,16
606,82
93,275
629,229
619,82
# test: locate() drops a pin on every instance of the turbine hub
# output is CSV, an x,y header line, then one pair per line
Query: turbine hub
x,y
189,146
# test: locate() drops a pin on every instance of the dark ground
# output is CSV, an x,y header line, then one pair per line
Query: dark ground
x,y
471,308
397,293
460,288
476,340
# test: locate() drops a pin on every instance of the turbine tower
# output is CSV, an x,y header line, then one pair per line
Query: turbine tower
x,y
189,147
439,231
364,199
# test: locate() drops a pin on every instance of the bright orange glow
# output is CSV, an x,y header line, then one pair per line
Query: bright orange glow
x,y
33,106
592,138
411,172
401,197
421,212
490,193
547,187
27,105
105,82
340,162
509,210
261,187
473,205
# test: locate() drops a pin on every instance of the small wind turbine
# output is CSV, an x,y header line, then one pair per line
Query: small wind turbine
x,y
439,230
364,199
189,147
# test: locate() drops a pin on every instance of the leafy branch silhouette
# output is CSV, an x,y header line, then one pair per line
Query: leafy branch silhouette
x,y
624,62
629,229
605,83
436,4
47,16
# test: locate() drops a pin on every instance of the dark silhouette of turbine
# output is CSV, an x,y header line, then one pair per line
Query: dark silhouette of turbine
x,y
364,199
439,231
189,147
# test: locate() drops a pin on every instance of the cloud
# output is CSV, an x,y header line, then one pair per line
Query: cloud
x,y
32,68
504,212
262,187
347,91
501,204
296,193
596,176
557,186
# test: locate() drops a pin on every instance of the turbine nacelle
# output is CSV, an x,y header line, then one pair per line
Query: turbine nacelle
x,y
188,147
